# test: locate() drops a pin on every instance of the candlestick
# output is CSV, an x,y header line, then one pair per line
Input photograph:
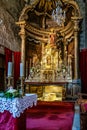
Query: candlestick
x,y
21,70
10,81
9,69
22,85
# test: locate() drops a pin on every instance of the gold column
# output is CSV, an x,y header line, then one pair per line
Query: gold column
x,y
22,35
76,21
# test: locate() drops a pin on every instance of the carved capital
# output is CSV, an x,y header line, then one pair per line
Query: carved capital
x,y
76,21
22,25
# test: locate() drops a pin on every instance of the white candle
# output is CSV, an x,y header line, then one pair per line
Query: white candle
x,y
9,69
21,69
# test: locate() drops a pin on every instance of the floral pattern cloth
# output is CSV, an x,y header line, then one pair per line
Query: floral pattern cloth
x,y
16,106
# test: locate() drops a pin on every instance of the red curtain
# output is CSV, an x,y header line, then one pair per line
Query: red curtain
x,y
17,57
83,69
8,57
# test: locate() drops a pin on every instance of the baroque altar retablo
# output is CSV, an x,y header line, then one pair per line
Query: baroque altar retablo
x,y
55,64
49,51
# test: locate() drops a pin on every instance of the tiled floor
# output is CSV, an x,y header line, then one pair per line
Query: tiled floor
x,y
76,123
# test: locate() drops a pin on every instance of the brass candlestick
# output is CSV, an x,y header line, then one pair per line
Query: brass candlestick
x,y
10,81
22,85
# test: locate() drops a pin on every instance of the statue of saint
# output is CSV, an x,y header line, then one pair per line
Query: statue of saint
x,y
35,60
52,40
48,60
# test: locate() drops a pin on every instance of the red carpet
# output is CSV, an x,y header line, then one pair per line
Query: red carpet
x,y
50,116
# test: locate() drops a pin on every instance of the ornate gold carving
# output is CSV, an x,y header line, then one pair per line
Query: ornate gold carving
x,y
75,7
42,33
48,6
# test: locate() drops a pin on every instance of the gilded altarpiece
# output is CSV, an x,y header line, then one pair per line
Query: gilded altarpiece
x,y
49,51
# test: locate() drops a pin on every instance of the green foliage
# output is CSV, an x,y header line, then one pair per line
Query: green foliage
x,y
10,95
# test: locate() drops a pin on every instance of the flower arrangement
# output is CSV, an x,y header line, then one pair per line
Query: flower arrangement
x,y
10,93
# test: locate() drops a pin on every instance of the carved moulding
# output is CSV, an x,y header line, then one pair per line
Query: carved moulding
x,y
67,30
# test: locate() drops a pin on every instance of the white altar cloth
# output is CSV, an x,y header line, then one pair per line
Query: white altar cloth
x,y
16,106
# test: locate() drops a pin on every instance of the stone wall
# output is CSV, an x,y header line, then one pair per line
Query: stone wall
x,y
9,14
83,31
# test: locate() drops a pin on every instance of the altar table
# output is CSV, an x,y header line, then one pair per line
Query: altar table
x,y
13,112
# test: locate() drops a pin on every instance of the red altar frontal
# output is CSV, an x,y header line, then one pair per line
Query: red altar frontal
x,y
8,122
13,112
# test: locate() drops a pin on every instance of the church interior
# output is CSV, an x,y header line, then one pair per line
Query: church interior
x,y
43,51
